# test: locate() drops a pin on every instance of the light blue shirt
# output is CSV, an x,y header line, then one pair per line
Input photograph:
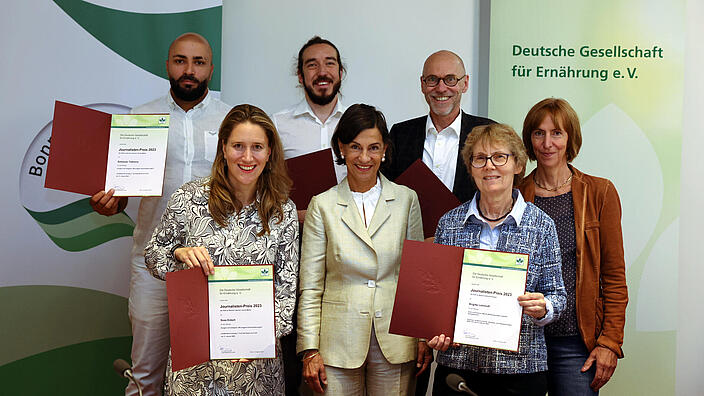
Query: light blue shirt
x,y
489,238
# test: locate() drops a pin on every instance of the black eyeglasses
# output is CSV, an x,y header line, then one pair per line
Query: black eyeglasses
x,y
450,80
498,159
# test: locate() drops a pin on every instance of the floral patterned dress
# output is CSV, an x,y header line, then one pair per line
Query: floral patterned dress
x,y
187,222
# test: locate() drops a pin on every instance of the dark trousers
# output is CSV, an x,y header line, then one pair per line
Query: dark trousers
x,y
422,382
533,384
293,367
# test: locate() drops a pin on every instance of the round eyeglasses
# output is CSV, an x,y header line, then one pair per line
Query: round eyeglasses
x,y
450,80
498,159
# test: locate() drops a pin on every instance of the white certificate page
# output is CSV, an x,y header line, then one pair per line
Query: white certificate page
x,y
241,305
488,313
137,154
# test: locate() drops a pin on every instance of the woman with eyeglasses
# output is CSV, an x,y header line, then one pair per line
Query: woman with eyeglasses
x,y
498,218
352,240
585,343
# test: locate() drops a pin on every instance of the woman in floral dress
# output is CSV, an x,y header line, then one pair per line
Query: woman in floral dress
x,y
239,215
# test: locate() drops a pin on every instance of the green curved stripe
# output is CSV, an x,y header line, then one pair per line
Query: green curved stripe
x,y
64,213
37,319
93,238
76,227
144,39
78,370
88,221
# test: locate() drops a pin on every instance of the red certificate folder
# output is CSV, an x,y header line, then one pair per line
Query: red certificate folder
x,y
427,291
434,197
79,149
189,316
312,174
187,293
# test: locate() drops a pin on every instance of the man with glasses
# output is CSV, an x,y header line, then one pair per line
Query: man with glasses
x,y
438,137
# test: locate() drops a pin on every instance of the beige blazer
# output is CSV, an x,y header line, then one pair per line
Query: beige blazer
x,y
349,273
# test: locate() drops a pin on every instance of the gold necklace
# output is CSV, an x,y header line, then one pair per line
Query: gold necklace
x,y
569,179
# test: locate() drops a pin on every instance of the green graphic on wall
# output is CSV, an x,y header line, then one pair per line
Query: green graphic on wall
x,y
620,65
143,39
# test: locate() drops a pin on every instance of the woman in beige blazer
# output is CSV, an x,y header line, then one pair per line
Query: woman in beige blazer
x,y
352,240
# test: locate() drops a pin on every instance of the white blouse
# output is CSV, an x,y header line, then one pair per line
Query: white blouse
x,y
366,202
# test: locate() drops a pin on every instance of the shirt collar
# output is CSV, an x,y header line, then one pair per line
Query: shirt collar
x,y
455,127
303,107
515,215
173,105
374,190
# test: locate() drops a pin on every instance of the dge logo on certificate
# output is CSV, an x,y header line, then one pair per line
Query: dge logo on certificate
x,y
241,300
137,154
488,313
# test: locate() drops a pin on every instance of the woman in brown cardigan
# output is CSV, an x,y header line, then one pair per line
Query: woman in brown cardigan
x,y
585,342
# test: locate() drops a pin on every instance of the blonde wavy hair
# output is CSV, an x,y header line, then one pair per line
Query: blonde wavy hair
x,y
273,184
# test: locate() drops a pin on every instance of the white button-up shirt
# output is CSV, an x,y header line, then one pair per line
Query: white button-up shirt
x,y
193,141
302,132
440,150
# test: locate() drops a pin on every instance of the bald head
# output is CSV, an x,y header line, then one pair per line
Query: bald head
x,y
190,68
443,82
447,58
191,37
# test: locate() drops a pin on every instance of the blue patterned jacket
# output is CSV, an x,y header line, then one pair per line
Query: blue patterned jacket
x,y
536,236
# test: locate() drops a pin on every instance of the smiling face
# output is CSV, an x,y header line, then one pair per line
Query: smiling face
x,y
321,73
444,101
549,144
189,67
363,157
492,180
246,153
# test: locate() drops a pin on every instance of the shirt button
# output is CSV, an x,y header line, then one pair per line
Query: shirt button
x,y
371,283
377,314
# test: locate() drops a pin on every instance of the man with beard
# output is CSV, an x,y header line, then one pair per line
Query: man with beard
x,y
193,139
308,126
304,128
438,138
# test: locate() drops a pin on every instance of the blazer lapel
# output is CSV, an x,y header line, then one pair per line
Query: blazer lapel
x,y
463,189
383,210
579,201
417,141
350,214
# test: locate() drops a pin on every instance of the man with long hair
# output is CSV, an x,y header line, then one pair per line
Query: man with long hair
x,y
308,125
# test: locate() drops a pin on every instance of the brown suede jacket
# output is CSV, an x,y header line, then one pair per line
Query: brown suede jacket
x,y
601,272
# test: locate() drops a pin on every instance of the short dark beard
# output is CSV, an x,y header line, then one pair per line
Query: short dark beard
x,y
322,100
188,95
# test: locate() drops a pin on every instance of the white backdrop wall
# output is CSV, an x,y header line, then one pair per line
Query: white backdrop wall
x,y
383,45
690,318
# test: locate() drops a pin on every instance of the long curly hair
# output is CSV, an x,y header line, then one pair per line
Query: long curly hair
x,y
273,184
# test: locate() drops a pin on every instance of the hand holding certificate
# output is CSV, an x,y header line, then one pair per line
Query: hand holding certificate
x,y
228,315
93,151
470,295
488,312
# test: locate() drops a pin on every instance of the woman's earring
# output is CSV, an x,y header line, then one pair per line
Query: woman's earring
x,y
342,156
383,158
